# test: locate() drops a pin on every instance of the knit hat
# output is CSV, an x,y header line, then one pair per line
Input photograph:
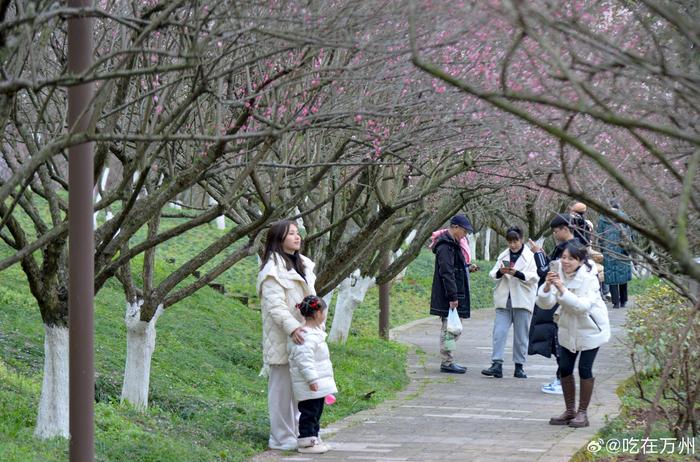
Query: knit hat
x,y
579,207
561,219
461,220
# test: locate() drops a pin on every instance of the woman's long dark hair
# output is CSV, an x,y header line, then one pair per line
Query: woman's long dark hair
x,y
273,245
514,233
579,252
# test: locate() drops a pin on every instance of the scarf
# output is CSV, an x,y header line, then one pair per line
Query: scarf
x,y
463,244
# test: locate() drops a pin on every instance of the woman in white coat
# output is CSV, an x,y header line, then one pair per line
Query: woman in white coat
x,y
286,277
583,323
516,278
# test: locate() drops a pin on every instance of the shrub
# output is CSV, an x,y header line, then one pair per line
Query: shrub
x,y
657,325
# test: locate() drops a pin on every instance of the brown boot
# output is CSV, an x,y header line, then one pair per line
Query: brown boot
x,y
568,386
581,419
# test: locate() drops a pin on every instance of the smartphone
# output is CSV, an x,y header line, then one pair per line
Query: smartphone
x,y
506,263
555,266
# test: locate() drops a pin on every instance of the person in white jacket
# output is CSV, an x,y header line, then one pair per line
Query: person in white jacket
x,y
514,297
286,277
583,323
312,374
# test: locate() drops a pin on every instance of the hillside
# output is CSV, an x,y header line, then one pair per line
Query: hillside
x,y
206,401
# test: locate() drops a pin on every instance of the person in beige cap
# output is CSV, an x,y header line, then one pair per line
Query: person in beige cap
x,y
583,231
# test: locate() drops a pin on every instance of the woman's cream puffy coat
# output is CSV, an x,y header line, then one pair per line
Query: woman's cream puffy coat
x,y
582,315
522,293
279,290
310,363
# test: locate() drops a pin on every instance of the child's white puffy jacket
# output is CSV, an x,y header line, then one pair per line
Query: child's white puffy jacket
x,y
310,363
582,316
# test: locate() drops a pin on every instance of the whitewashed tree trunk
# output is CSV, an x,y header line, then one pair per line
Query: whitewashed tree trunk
x,y
220,220
351,292
412,235
52,419
300,220
142,192
94,215
328,298
103,181
641,270
103,185
472,244
140,343
487,245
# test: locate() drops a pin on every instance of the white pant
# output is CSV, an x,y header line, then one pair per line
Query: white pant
x,y
283,409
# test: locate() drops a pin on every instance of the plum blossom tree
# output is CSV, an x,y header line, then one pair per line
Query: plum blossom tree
x,y
614,87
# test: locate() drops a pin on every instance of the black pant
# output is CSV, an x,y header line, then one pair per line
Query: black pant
x,y
618,294
585,363
310,418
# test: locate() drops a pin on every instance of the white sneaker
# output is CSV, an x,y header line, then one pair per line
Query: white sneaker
x,y
553,388
312,445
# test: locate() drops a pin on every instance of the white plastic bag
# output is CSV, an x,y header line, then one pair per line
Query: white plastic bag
x,y
454,324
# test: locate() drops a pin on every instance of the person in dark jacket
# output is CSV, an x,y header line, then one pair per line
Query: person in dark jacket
x,y
543,329
616,261
450,289
581,227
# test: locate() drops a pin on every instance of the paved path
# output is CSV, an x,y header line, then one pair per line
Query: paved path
x,y
445,417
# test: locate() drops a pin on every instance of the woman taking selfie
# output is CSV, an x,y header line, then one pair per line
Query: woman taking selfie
x,y
583,323
286,277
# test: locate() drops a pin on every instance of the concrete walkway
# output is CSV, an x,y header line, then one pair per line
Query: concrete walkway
x,y
470,417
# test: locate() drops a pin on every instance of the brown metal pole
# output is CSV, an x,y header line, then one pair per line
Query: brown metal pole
x,y
81,246
384,291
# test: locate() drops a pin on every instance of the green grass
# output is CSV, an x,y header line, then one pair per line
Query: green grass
x,y
207,401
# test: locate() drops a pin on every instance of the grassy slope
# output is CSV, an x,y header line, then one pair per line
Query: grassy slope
x,y
207,401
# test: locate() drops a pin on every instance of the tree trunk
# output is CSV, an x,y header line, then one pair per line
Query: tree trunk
x,y
140,343
384,301
472,245
411,236
487,245
351,293
94,215
328,298
52,419
220,220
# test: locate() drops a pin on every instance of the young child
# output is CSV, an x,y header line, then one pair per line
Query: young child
x,y
312,374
